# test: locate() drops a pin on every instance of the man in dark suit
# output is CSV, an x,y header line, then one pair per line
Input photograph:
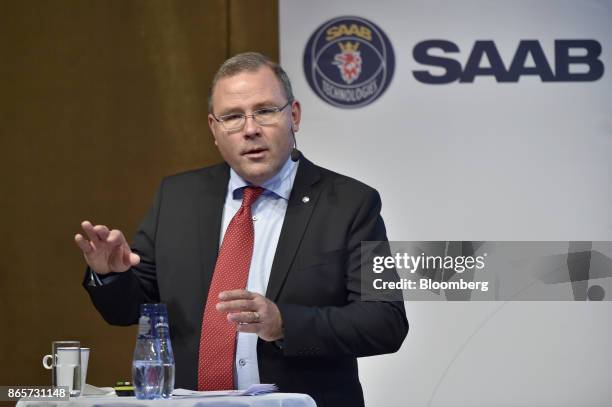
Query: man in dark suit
x,y
300,318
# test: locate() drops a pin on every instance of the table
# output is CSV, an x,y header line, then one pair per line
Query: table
x,y
265,400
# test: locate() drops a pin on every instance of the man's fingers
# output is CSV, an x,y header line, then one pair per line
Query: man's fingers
x,y
236,295
83,243
116,238
88,228
250,317
129,259
264,319
134,259
118,259
236,305
101,231
125,257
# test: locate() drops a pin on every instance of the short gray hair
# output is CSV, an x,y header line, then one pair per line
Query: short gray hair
x,y
249,62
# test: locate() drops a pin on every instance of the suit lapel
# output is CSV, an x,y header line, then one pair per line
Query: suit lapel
x,y
296,219
213,188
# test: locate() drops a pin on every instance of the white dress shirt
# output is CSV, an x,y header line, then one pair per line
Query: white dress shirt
x,y
268,215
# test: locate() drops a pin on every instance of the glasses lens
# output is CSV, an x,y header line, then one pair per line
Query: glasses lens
x,y
266,116
233,121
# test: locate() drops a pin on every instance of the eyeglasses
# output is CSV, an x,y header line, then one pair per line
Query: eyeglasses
x,y
264,117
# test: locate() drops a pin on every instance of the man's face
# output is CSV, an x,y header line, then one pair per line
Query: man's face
x,y
256,152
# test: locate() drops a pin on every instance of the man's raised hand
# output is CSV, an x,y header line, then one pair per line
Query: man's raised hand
x,y
106,250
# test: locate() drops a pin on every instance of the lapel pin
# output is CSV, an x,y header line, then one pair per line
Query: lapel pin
x,y
306,199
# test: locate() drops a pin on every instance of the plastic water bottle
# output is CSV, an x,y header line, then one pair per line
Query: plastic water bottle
x,y
147,370
165,353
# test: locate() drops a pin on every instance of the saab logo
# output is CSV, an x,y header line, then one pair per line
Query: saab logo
x,y
349,62
575,61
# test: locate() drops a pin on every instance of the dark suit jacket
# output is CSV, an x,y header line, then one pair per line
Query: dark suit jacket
x,y
315,280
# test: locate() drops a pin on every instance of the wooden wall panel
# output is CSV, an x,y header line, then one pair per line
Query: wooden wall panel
x,y
254,27
98,101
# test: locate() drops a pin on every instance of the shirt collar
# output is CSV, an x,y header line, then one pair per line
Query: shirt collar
x,y
280,184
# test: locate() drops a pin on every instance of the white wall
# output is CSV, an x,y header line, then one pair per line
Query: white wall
x,y
477,161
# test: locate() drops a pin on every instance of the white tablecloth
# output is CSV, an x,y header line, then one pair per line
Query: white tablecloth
x,y
266,400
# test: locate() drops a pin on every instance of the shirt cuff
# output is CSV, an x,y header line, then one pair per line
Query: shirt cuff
x,y
98,280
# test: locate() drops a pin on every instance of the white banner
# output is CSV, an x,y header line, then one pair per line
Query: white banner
x,y
475,120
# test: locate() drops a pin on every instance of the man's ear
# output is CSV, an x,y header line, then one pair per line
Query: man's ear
x,y
296,115
211,125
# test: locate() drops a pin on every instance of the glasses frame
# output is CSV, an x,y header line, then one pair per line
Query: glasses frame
x,y
221,119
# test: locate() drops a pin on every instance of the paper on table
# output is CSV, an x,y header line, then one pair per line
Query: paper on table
x,y
253,390
90,390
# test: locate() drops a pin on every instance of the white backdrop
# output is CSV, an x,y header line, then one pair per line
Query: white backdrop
x,y
527,160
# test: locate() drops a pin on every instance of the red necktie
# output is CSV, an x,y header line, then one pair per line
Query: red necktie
x,y
218,336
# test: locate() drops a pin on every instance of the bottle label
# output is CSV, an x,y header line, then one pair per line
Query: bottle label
x,y
144,325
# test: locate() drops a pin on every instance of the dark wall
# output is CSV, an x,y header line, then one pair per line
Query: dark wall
x,y
98,101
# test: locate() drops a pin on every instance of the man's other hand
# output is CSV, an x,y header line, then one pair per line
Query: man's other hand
x,y
252,312
106,250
